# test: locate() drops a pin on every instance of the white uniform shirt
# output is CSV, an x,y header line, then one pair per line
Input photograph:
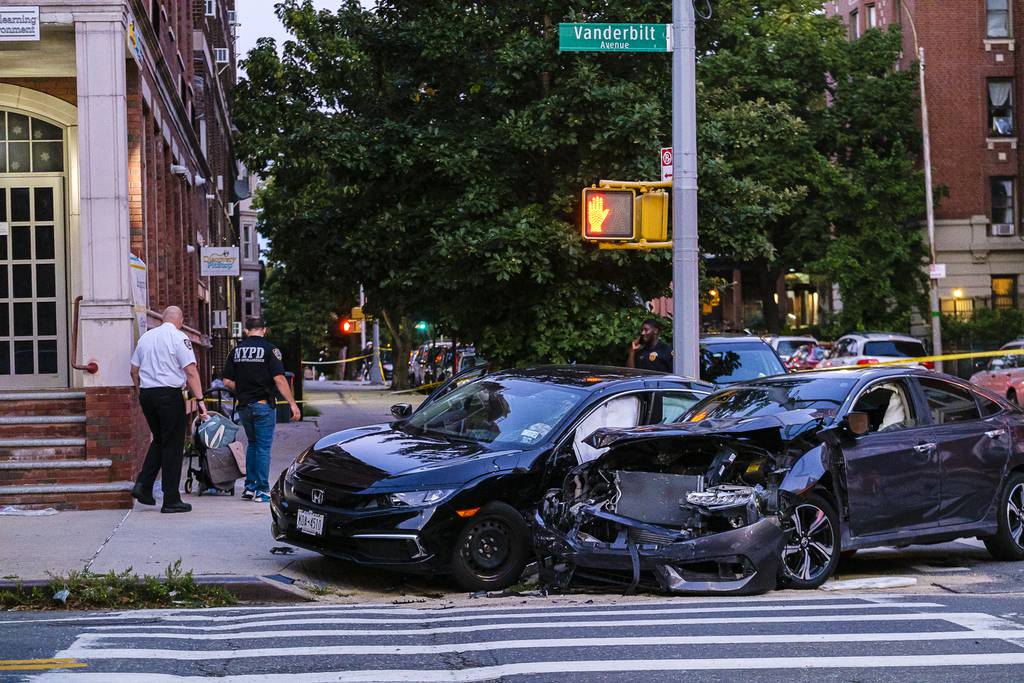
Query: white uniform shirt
x,y
161,356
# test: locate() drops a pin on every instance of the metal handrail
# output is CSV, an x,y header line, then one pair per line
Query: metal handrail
x,y
91,367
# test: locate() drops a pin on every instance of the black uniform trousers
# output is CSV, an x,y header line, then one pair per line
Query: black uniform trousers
x,y
164,408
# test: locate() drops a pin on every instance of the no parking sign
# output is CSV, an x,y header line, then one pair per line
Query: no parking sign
x,y
666,163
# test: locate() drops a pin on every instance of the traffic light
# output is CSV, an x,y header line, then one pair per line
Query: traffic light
x,y
608,214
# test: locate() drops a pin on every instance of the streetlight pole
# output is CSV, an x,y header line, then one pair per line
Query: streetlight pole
x,y
685,285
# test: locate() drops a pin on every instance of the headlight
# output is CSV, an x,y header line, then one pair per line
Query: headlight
x,y
415,498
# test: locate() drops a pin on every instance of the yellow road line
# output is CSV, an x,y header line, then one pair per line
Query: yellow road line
x,y
39,664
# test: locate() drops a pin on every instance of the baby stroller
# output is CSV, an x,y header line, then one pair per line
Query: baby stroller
x,y
212,470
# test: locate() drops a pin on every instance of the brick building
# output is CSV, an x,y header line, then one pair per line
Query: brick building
x,y
116,169
973,81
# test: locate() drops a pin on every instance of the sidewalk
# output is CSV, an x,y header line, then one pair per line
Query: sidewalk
x,y
222,536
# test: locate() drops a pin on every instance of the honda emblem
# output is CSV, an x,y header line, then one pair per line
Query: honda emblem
x,y
318,496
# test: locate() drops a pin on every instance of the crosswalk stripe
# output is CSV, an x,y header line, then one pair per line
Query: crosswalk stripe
x,y
487,673
87,653
514,626
542,615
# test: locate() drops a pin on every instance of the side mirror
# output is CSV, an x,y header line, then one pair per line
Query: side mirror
x,y
401,410
858,424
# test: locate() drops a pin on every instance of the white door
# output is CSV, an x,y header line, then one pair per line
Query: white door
x,y
33,283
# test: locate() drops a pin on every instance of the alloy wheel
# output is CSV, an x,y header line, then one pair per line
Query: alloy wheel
x,y
1015,514
811,543
487,547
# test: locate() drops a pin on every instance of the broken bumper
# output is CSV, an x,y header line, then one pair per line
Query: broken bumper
x,y
740,561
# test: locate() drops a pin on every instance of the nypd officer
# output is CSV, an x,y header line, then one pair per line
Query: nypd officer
x,y
255,374
647,351
162,364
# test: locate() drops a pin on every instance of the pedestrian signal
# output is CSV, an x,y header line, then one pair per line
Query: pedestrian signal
x,y
608,214
351,326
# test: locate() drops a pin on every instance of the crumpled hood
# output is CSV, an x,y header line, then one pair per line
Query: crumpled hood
x,y
769,430
384,458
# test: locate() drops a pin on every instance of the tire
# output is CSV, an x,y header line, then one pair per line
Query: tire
x,y
490,552
1008,541
188,484
811,552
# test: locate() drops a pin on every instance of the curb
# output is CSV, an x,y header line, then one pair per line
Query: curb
x,y
257,589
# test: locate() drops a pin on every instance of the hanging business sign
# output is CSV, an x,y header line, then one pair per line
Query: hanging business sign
x,y
131,36
19,23
214,261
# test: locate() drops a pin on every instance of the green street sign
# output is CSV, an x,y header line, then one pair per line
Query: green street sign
x,y
614,37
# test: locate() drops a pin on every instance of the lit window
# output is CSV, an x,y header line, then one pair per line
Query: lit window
x,y
1004,291
1003,213
998,16
872,16
854,25
1000,107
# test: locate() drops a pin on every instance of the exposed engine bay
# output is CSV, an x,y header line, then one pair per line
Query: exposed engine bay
x,y
697,515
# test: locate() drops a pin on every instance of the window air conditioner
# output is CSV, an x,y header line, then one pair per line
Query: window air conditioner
x,y
236,329
211,8
221,55
220,320
232,17
1002,229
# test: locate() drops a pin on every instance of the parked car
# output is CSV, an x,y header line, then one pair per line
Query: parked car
x,y
769,481
807,357
871,348
727,359
1004,375
787,346
442,489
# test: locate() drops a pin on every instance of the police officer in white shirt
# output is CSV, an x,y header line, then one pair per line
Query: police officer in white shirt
x,y
162,364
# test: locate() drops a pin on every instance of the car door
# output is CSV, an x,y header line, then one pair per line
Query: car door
x,y
892,472
972,449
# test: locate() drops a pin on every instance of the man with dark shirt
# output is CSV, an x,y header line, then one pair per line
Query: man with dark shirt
x,y
648,352
255,374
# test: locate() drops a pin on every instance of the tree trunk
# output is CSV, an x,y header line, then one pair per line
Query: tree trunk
x,y
769,289
401,329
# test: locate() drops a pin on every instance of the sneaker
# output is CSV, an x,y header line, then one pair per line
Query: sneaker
x,y
248,494
261,497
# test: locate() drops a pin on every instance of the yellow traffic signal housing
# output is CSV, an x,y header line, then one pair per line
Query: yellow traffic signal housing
x,y
652,212
357,313
608,214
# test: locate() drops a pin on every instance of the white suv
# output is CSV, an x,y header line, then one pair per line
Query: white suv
x,y
871,348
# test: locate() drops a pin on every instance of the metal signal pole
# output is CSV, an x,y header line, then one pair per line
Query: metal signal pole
x,y
685,284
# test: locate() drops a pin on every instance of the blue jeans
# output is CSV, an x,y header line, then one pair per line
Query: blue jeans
x,y
258,420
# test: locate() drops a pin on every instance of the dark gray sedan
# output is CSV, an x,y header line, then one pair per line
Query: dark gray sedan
x,y
768,482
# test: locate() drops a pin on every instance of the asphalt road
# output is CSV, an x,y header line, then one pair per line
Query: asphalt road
x,y
810,637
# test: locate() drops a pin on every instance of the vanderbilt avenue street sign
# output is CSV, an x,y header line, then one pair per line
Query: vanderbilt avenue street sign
x,y
614,37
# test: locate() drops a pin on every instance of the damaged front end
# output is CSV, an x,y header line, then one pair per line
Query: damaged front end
x,y
696,513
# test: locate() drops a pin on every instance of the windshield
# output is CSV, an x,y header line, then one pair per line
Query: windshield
x,y
731,363
508,411
788,347
899,349
771,398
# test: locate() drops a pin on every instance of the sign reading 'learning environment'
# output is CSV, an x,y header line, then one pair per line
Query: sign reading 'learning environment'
x,y
19,23
614,37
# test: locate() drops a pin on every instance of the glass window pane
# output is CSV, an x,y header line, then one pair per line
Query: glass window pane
x,y
3,158
22,281
23,360
19,204
21,242
948,402
5,322
3,199
5,358
41,130
18,157
23,320
4,292
46,283
46,319
47,157
47,356
17,126
44,204
3,125
44,242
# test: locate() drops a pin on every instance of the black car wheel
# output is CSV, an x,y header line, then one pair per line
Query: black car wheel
x,y
1008,541
1011,396
811,552
491,550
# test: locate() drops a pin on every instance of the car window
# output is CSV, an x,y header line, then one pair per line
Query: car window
x,y
674,404
896,348
769,398
724,363
842,348
622,411
788,347
949,403
887,405
988,406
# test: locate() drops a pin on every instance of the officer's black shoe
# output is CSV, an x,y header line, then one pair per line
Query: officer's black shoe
x,y
144,496
176,507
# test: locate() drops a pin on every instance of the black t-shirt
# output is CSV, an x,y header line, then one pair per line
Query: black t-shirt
x,y
252,366
657,357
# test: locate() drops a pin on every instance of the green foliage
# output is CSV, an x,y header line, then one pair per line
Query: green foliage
x,y
986,329
86,590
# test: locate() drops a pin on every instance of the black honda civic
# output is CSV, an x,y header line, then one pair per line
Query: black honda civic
x,y
770,481
443,489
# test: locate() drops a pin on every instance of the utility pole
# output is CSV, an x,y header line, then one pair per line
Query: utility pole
x,y
685,284
933,284
376,370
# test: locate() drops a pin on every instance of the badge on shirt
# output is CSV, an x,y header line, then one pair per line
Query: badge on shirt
x,y
652,356
277,353
188,344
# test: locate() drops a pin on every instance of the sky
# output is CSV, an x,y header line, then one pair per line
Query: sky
x,y
257,19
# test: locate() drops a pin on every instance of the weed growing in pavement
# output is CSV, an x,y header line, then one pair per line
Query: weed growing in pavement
x,y
310,410
87,590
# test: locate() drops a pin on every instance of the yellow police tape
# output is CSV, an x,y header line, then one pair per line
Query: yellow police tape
x,y
926,359
343,360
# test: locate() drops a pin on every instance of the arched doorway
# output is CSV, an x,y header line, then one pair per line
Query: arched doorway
x,y
33,253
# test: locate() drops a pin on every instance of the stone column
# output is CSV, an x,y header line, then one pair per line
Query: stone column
x,y
106,313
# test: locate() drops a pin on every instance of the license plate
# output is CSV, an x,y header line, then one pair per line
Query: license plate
x,y
311,523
